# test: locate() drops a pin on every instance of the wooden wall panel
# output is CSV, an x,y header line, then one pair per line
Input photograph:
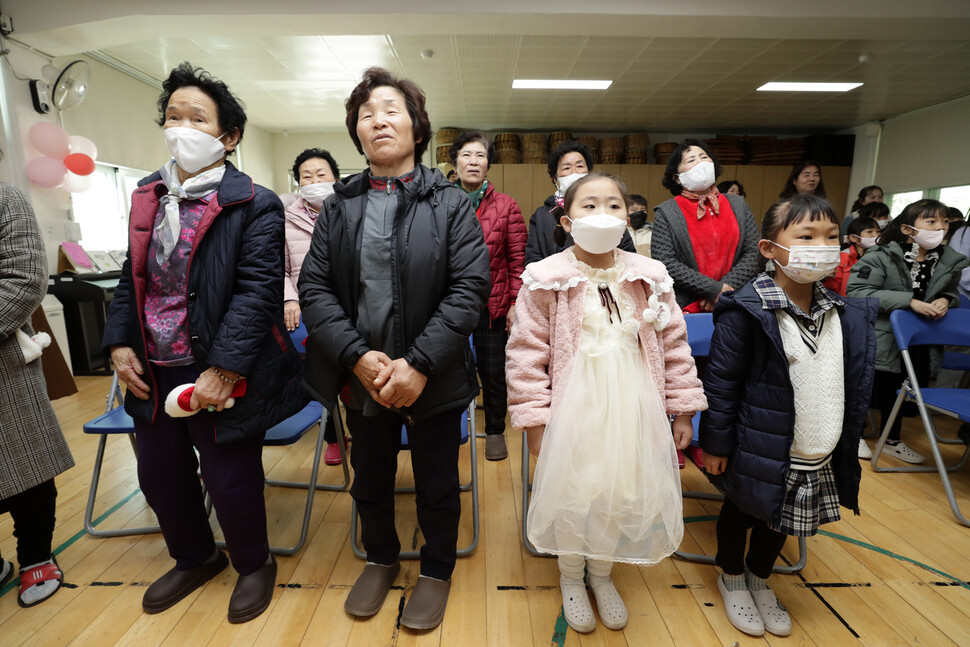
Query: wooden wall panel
x,y
753,180
496,177
836,180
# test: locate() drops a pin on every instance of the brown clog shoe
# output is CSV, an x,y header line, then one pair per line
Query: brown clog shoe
x,y
370,589
427,605
169,589
253,593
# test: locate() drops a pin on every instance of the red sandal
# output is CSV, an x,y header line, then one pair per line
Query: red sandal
x,y
37,575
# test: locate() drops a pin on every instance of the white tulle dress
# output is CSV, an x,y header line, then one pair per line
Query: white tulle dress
x,y
607,484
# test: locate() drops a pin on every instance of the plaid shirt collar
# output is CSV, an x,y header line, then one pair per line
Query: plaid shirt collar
x,y
774,298
388,183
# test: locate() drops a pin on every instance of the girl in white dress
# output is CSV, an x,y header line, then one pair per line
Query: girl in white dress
x,y
597,364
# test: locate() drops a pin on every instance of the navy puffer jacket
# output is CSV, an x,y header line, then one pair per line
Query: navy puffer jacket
x,y
440,273
234,300
751,409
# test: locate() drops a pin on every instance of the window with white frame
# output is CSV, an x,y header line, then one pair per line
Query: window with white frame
x,y
102,211
951,196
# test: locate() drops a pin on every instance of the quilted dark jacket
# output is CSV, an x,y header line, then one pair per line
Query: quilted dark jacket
x,y
440,281
543,224
751,409
235,303
505,236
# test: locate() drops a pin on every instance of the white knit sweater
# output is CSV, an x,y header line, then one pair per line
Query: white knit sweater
x,y
819,385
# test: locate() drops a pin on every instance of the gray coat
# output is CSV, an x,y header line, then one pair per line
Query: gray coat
x,y
32,447
671,246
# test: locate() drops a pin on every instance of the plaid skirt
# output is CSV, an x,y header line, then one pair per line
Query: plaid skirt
x,y
811,499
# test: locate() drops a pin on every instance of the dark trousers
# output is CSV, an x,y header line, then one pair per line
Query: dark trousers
x,y
489,341
434,458
884,387
732,531
33,522
233,476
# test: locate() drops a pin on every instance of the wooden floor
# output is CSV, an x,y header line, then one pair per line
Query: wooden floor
x,y
897,575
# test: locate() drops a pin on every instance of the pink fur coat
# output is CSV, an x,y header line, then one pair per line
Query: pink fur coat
x,y
549,319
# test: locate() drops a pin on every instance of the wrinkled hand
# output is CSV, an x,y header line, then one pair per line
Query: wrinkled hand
x,y
923,308
941,305
129,370
510,318
724,288
402,384
714,465
534,438
212,390
683,429
367,369
291,315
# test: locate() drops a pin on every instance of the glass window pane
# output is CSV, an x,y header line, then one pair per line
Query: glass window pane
x,y
956,196
898,201
99,213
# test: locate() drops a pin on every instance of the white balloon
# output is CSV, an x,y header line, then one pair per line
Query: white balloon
x,y
84,145
77,183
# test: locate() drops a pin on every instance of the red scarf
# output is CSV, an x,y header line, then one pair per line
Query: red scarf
x,y
709,198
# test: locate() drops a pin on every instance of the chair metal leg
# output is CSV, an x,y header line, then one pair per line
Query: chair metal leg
x,y
930,429
328,487
471,485
786,570
93,494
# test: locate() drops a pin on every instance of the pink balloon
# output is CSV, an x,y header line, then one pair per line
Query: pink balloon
x,y
77,183
46,172
50,139
84,145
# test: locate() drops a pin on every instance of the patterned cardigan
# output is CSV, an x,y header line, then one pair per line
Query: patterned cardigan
x,y
548,322
32,447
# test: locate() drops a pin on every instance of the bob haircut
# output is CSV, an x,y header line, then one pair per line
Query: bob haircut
x,y
785,213
855,228
414,99
231,115
921,208
874,210
790,190
563,149
725,186
467,138
559,235
314,153
669,179
863,192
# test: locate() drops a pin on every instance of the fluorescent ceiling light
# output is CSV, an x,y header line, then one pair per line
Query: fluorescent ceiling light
x,y
559,84
781,86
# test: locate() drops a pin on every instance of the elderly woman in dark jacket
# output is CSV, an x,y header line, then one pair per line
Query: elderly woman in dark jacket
x,y
201,301
394,282
707,240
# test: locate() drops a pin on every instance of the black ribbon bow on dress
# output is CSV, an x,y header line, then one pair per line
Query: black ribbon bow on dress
x,y
607,299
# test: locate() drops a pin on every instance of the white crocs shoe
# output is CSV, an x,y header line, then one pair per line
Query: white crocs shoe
x,y
864,451
774,615
576,606
741,609
903,453
609,603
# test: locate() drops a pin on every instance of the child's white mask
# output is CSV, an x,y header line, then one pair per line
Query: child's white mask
x,y
809,263
597,233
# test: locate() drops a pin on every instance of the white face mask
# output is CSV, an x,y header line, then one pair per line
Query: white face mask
x,y
882,223
699,178
565,182
315,194
868,242
193,149
809,263
597,233
928,239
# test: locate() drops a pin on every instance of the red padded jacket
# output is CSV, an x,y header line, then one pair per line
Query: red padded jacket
x,y
506,236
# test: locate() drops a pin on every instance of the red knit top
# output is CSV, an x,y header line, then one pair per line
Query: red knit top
x,y
713,237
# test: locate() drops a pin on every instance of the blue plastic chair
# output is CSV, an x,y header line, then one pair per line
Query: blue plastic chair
x,y
953,360
912,330
467,432
700,329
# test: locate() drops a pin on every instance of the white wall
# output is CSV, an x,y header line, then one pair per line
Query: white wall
x,y
255,156
925,149
863,160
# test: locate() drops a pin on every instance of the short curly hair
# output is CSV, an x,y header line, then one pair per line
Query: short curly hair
x,y
313,153
414,98
231,114
568,146
669,180
466,138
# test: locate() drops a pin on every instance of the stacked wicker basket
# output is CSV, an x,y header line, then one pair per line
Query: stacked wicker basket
x,y
534,148
507,148
663,151
446,137
610,150
635,148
